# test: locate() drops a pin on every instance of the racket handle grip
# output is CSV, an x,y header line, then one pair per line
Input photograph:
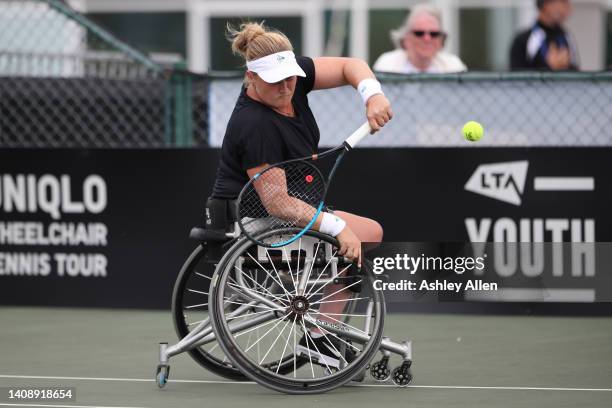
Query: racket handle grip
x,y
357,135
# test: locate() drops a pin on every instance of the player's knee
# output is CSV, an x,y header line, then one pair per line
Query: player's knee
x,y
377,232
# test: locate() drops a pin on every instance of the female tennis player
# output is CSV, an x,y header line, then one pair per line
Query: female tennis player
x,y
272,122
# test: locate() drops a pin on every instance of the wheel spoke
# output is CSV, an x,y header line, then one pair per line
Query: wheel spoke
x,y
323,330
194,306
248,313
249,298
265,334
268,308
341,314
338,291
202,275
297,268
308,348
294,350
271,277
310,293
288,321
254,328
286,343
257,283
312,265
290,271
280,281
198,322
265,282
249,339
318,351
213,348
274,342
339,300
242,290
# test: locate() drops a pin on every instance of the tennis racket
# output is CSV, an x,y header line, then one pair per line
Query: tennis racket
x,y
289,194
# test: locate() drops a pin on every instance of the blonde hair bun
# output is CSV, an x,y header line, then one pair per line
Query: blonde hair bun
x,y
253,40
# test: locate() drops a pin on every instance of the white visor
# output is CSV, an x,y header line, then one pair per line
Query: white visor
x,y
276,67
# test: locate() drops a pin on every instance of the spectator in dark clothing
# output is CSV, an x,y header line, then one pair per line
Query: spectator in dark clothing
x,y
546,46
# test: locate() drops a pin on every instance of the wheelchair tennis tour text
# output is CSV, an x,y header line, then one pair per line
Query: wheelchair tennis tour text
x,y
57,197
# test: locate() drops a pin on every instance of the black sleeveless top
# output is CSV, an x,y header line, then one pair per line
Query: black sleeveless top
x,y
256,134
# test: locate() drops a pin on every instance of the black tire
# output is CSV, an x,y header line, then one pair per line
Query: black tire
x,y
260,373
197,263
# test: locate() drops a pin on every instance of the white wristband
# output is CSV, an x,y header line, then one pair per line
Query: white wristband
x,y
331,224
369,87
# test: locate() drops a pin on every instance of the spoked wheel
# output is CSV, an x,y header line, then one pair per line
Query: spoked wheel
x,y
190,310
324,333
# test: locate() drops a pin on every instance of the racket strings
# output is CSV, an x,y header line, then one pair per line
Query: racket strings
x,y
282,196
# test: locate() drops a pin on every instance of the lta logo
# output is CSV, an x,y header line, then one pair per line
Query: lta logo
x,y
501,181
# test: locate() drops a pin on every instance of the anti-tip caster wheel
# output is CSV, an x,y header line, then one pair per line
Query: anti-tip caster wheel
x,y
162,374
402,376
380,370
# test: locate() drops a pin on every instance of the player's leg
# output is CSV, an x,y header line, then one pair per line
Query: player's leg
x,y
368,231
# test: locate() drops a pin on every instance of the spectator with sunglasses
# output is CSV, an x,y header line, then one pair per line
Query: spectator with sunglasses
x,y
419,43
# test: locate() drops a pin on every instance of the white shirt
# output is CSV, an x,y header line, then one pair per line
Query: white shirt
x,y
396,61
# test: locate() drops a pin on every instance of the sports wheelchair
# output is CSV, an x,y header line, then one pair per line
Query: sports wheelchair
x,y
245,312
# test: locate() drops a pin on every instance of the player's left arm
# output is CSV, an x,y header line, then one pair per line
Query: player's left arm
x,y
331,72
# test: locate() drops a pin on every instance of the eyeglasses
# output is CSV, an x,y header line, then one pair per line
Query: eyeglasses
x,y
432,34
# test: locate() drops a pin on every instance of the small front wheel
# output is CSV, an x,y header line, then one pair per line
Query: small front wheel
x,y
402,376
380,370
162,375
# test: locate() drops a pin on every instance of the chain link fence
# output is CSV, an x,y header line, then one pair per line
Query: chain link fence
x,y
66,82
516,109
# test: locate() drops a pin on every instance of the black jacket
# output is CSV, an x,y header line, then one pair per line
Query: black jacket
x,y
530,47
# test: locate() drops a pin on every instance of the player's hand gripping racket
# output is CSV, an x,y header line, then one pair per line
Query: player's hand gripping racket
x,y
289,194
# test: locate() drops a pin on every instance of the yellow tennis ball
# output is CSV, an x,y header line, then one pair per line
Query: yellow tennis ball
x,y
472,131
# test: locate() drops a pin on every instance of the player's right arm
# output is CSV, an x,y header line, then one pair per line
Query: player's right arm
x,y
271,188
331,72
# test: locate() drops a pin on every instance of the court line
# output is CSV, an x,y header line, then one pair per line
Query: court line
x,y
457,387
470,387
40,377
60,406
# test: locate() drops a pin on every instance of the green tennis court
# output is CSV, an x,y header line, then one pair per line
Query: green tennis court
x,y
109,357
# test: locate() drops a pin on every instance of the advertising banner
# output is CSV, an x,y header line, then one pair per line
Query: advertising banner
x,y
109,228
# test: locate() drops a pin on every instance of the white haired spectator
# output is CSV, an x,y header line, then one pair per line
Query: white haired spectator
x,y
419,45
